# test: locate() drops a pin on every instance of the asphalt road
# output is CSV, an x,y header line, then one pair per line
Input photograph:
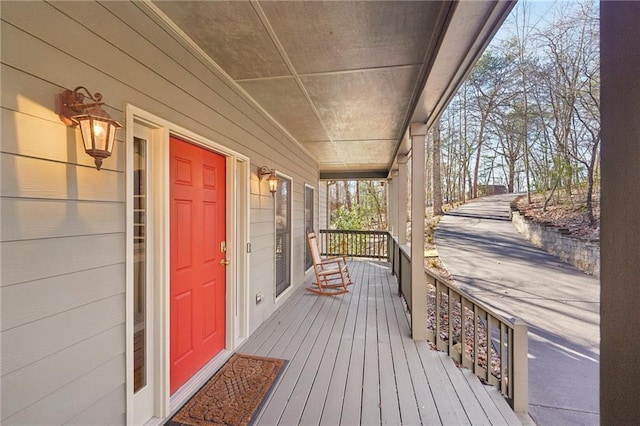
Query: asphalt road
x,y
489,259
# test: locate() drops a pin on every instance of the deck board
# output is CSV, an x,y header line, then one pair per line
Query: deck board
x,y
352,361
331,412
296,351
465,393
371,380
352,396
450,410
389,401
276,322
312,412
302,389
410,389
485,401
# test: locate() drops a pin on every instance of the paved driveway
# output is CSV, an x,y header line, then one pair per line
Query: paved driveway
x,y
489,259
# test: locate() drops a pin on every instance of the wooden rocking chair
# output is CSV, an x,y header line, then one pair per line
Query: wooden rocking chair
x,y
332,274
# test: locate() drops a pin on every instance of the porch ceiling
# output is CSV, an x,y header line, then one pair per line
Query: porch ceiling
x,y
344,79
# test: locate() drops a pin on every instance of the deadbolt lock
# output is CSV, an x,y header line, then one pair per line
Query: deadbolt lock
x,y
224,262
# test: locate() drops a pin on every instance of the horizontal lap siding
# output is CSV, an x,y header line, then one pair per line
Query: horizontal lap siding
x,y
63,243
22,218
43,298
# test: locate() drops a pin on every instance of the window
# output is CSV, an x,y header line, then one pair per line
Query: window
x,y
308,223
283,235
140,263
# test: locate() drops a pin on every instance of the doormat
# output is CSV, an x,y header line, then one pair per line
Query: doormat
x,y
234,394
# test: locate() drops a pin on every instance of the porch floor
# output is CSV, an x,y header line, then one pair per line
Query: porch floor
x,y
352,361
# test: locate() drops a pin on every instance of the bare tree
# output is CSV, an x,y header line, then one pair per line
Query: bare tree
x,y
488,81
529,113
437,181
572,81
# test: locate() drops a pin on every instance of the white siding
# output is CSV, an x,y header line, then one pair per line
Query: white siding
x,y
63,222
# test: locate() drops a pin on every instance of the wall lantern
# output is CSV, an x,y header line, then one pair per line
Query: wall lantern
x,y
272,179
97,127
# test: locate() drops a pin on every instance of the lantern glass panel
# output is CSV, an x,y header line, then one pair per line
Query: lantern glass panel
x,y
111,136
273,183
100,133
85,129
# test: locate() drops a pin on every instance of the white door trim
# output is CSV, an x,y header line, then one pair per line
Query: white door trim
x,y
237,234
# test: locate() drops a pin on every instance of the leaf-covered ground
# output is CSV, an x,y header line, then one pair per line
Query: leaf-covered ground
x,y
564,212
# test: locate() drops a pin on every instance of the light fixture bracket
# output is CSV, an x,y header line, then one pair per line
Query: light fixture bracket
x,y
263,171
71,103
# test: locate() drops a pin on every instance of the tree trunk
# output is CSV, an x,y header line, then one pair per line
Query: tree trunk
x,y
553,190
590,180
437,183
347,195
476,168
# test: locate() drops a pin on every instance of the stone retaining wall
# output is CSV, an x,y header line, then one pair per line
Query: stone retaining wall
x,y
581,253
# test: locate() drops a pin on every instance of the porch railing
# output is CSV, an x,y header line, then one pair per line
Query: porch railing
x,y
493,347
474,335
372,244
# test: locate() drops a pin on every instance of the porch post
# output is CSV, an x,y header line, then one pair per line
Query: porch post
x,y
520,373
418,133
620,227
401,206
392,205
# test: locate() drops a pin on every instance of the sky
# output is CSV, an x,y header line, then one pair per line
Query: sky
x,y
540,13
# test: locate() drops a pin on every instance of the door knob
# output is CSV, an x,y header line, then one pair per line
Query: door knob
x,y
224,262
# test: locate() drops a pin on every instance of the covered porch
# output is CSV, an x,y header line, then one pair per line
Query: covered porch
x,y
352,361
318,91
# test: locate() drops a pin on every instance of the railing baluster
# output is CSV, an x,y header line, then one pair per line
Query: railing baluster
x,y
503,358
450,318
458,300
463,329
491,324
440,343
487,354
510,364
370,244
476,340
374,249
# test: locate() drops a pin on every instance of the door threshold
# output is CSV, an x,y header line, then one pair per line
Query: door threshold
x,y
186,391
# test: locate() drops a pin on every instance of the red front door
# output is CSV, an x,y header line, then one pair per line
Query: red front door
x,y
197,275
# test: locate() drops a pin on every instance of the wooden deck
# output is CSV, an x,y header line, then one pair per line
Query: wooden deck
x,y
352,361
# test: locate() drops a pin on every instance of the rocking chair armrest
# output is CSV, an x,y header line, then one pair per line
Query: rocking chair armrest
x,y
331,260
